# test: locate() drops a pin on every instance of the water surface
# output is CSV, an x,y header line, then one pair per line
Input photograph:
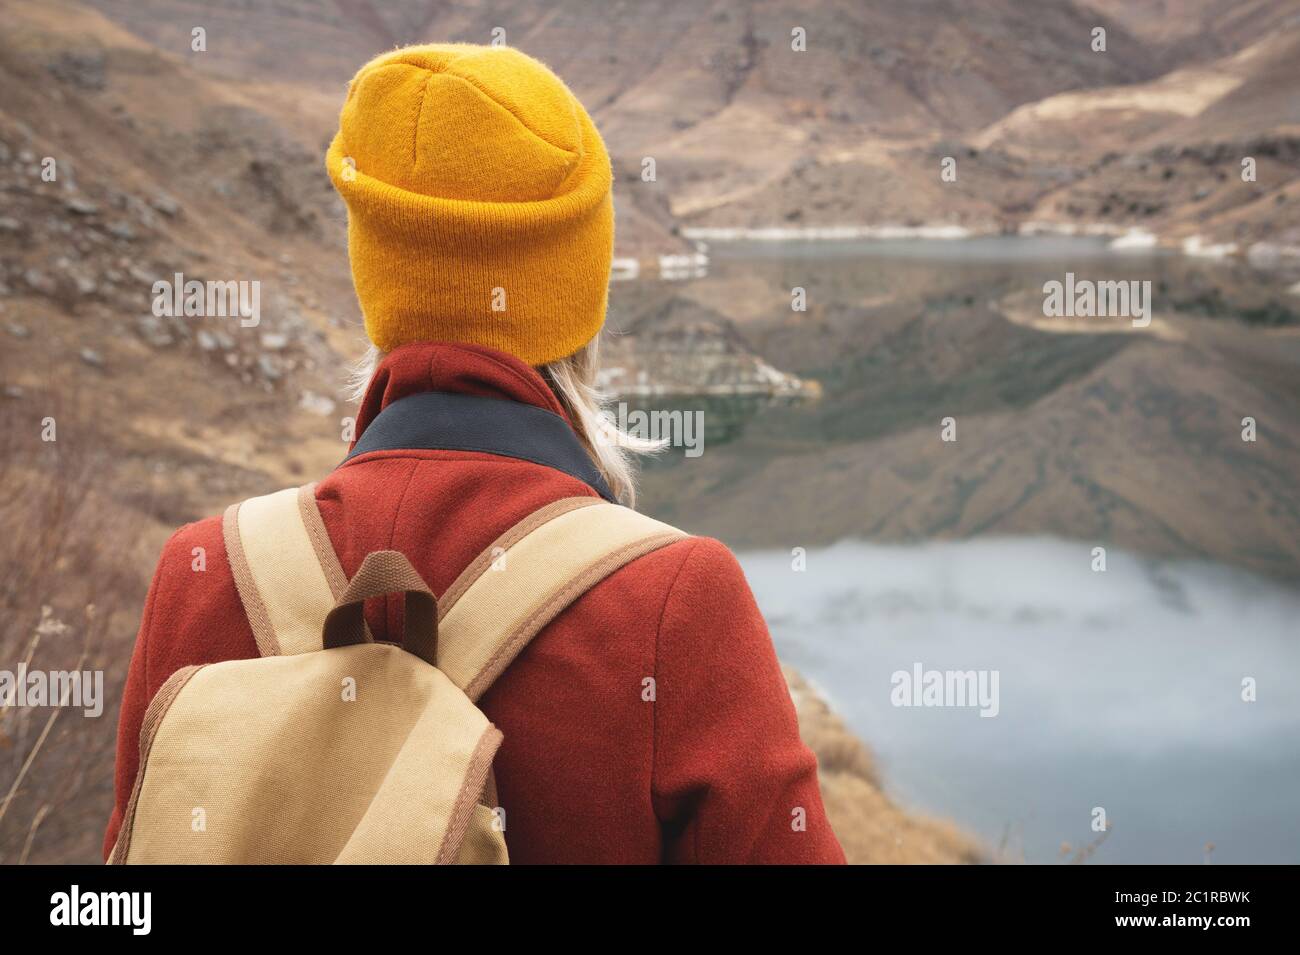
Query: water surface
x,y
1120,690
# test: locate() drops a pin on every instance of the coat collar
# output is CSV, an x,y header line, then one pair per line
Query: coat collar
x,y
457,368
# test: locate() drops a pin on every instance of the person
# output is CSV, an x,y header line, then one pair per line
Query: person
x,y
649,721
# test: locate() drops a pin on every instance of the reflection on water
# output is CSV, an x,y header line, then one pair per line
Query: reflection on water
x,y
1210,287
986,249
1120,689
1086,429
901,332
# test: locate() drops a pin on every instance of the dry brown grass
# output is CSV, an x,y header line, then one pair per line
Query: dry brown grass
x,y
870,827
69,595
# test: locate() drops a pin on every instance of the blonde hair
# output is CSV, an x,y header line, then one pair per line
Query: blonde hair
x,y
574,381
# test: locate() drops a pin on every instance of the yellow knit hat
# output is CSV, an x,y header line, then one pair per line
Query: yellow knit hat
x,y
478,195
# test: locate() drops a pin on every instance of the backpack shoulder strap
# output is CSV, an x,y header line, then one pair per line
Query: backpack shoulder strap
x,y
285,569
289,577
528,576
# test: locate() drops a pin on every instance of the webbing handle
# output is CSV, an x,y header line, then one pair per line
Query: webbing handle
x,y
385,572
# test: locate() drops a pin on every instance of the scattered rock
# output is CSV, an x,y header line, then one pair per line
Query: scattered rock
x,y
275,341
84,69
92,358
153,331
269,367
13,391
8,224
166,205
142,211
316,404
81,207
38,281
18,331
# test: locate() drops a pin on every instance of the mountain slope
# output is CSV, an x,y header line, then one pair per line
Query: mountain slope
x,y
746,131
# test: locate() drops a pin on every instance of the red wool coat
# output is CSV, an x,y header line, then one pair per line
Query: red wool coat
x,y
712,771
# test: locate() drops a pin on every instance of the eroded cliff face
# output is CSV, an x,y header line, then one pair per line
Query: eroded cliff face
x,y
684,350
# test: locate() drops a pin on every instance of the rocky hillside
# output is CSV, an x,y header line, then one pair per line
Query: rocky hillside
x,y
120,168
1167,155
747,131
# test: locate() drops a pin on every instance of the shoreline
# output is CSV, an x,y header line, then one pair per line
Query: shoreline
x,y
872,827
1123,238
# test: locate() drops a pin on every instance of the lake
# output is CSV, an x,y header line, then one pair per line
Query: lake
x,y
1120,689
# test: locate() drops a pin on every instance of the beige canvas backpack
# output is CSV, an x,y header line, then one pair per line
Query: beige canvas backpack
x,y
333,748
